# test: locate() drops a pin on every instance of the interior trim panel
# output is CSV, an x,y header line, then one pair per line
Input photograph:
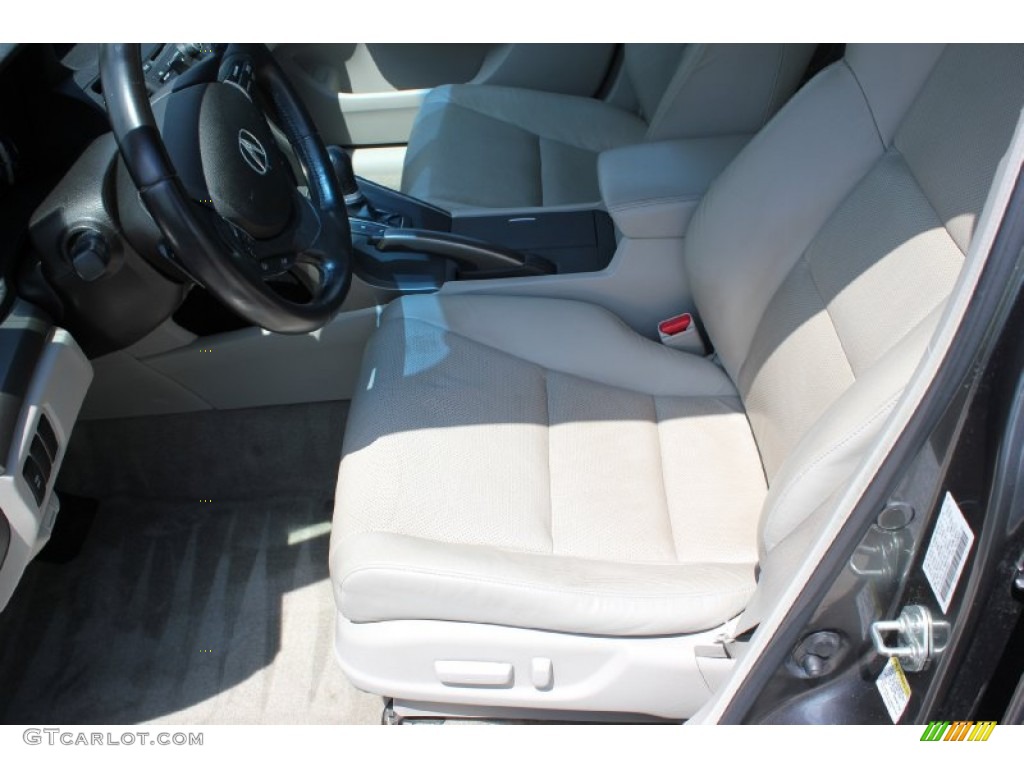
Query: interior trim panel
x,y
36,420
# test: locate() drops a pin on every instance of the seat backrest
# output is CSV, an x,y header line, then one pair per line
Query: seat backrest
x,y
822,258
648,68
693,90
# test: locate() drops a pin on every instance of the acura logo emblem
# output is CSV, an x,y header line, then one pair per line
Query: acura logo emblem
x,y
253,152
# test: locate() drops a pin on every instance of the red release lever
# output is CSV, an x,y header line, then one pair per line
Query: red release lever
x,y
675,325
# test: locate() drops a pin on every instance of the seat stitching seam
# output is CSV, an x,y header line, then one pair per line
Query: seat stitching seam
x,y
540,169
867,102
556,590
499,350
652,201
574,146
924,194
547,442
689,60
766,113
828,313
912,328
664,469
511,122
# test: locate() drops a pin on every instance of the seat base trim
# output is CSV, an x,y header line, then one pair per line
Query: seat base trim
x,y
593,677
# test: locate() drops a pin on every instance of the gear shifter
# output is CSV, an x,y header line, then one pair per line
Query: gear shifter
x,y
359,207
342,164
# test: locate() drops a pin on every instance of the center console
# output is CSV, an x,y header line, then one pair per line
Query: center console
x,y
405,245
650,192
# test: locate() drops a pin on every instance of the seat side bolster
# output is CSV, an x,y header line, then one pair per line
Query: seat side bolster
x,y
831,450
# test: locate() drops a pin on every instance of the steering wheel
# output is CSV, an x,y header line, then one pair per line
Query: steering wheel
x,y
212,177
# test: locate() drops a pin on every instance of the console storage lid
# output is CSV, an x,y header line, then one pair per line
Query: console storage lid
x,y
651,190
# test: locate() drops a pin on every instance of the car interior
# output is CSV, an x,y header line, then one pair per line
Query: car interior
x,y
350,383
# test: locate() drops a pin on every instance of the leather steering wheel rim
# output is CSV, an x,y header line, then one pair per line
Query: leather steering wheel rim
x,y
227,260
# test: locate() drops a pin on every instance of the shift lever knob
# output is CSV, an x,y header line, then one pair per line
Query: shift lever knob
x,y
342,164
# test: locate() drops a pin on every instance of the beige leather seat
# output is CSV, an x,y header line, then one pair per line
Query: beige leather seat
x,y
481,146
539,507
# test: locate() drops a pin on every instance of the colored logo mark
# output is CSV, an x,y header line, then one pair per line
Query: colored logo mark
x,y
958,730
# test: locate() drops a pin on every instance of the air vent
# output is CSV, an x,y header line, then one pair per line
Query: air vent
x,y
42,455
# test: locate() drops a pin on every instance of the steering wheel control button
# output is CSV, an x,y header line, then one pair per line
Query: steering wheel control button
x,y
240,75
89,254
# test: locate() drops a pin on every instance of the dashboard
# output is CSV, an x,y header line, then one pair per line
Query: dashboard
x,y
46,122
51,110
161,63
51,116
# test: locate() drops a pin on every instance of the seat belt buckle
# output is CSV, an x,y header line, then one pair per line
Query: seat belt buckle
x,y
680,332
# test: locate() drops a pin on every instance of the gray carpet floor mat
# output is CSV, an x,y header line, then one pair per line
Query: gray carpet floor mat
x,y
182,611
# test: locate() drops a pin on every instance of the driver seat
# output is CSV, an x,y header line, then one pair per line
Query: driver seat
x,y
540,509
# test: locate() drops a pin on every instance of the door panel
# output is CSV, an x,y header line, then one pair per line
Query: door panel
x,y
368,94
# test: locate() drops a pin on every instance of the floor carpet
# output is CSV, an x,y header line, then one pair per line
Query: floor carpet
x,y
189,610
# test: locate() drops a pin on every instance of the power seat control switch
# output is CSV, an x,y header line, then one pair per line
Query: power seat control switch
x,y
919,637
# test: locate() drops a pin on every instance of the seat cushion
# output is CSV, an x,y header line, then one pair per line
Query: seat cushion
x,y
496,147
535,463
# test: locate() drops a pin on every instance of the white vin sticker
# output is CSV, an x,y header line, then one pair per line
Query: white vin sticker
x,y
947,552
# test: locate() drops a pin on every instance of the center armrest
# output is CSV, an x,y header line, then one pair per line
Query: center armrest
x,y
651,190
